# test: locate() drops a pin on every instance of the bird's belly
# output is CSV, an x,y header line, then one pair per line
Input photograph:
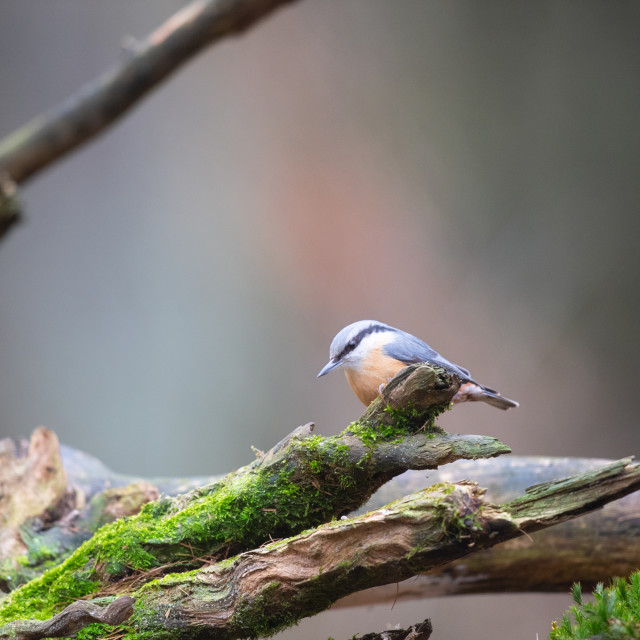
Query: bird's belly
x,y
377,369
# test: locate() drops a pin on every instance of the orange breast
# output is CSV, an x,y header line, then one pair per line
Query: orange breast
x,y
376,369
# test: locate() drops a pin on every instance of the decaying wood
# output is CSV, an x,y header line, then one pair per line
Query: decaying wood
x,y
411,387
589,549
303,481
307,573
44,514
32,483
73,618
269,588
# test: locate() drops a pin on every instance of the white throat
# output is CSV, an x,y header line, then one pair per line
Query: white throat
x,y
369,343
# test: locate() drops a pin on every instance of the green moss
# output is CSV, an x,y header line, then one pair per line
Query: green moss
x,y
371,436
613,615
399,423
404,419
96,631
255,617
443,487
315,482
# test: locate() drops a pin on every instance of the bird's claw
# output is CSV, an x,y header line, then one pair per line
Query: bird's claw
x,y
383,385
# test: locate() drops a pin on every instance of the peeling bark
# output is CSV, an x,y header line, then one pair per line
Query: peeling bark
x,y
266,589
32,483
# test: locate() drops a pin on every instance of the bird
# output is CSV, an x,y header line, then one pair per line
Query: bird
x,y
371,353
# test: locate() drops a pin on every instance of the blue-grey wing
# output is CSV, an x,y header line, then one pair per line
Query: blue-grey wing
x,y
409,349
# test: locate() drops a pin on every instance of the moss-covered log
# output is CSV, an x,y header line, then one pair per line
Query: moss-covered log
x,y
557,558
44,514
304,481
266,589
590,549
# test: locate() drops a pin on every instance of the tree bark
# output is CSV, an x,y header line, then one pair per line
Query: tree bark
x,y
590,549
555,559
266,589
302,482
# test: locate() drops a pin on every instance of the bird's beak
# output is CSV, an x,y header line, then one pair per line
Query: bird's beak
x,y
330,366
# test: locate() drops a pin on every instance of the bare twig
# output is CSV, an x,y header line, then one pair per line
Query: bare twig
x,y
9,205
99,103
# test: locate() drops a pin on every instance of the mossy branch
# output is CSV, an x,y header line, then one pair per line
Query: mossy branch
x,y
553,560
266,589
303,481
73,618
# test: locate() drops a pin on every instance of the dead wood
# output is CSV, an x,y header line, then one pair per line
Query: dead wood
x,y
74,618
269,588
590,549
302,482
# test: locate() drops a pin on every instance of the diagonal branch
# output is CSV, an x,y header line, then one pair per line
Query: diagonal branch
x,y
74,617
553,560
302,482
103,100
100,102
267,589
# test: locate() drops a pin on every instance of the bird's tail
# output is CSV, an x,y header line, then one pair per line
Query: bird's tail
x,y
473,392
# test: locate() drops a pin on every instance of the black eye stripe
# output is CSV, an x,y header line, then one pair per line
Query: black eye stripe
x,y
355,341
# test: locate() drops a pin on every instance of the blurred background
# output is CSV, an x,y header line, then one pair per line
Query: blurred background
x,y
467,171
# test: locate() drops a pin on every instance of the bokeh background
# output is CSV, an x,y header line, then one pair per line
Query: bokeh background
x,y
467,171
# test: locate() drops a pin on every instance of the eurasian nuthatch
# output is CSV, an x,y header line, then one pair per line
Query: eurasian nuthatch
x,y
371,353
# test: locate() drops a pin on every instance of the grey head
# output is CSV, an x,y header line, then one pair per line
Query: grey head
x,y
355,342
352,343
351,346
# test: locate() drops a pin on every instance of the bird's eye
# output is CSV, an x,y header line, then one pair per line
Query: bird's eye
x,y
352,344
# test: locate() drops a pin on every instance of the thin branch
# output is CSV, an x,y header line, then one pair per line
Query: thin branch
x,y
9,204
99,103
